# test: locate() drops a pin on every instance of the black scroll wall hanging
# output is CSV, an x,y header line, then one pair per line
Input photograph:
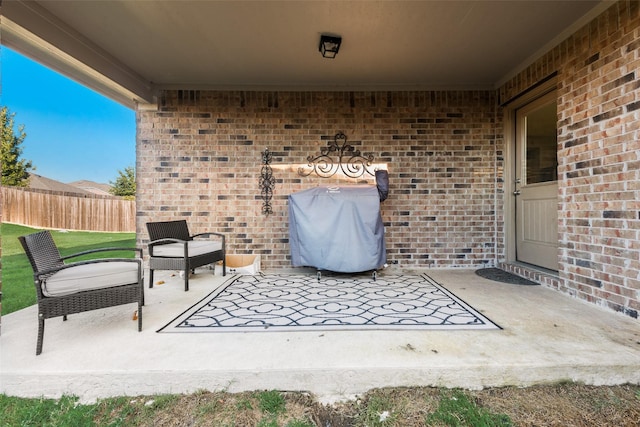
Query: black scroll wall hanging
x,y
338,156
267,182
350,162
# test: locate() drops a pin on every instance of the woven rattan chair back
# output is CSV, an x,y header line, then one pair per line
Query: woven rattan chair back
x,y
41,250
168,230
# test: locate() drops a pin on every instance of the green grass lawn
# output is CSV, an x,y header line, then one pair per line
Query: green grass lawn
x,y
17,276
565,404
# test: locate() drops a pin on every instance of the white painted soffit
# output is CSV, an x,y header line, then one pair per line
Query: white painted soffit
x,y
142,40
50,42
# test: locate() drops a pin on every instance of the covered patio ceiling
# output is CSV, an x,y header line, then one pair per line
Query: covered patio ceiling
x,y
129,50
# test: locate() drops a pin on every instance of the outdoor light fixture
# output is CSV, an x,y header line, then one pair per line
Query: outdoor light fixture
x,y
329,46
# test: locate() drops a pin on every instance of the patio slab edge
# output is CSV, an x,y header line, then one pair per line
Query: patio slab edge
x,y
327,385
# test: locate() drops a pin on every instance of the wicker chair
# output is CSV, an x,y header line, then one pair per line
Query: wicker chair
x,y
171,247
68,288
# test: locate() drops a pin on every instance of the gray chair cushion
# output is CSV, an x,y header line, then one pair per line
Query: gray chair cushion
x,y
195,247
90,276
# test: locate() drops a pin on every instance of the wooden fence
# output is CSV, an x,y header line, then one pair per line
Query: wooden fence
x,y
51,209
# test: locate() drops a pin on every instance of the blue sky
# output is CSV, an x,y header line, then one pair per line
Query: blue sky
x,y
73,133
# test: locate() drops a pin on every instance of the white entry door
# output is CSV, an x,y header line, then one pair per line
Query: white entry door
x,y
536,189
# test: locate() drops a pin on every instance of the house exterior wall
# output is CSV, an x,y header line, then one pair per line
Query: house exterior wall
x,y
199,158
598,74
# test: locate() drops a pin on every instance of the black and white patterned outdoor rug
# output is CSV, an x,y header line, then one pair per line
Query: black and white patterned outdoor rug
x,y
343,302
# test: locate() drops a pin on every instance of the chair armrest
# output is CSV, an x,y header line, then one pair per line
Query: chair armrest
x,y
208,234
163,241
139,250
154,243
50,271
211,233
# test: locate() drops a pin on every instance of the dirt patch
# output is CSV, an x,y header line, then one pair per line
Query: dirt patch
x,y
566,405
555,405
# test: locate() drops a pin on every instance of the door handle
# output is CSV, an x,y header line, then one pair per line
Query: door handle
x,y
516,193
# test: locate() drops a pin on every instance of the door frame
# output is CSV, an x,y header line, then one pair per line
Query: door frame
x,y
510,139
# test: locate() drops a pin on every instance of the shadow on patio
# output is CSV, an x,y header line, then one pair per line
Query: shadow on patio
x,y
546,337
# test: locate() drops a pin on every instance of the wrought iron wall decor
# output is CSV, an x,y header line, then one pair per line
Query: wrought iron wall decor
x,y
350,161
267,182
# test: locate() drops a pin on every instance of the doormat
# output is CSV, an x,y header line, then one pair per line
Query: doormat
x,y
278,302
502,276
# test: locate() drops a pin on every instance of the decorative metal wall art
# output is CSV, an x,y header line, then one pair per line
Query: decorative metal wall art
x,y
267,182
350,161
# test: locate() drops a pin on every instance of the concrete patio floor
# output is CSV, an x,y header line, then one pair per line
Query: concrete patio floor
x,y
546,337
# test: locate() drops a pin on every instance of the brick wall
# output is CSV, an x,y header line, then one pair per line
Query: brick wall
x,y
199,158
598,72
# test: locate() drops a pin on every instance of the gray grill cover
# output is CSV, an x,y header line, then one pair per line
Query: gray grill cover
x,y
337,229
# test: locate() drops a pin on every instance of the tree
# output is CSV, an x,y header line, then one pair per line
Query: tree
x,y
125,184
15,171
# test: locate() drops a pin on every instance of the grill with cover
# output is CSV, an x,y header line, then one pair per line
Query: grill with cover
x,y
337,229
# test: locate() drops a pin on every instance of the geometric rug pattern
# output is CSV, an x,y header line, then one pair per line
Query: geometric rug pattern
x,y
299,302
